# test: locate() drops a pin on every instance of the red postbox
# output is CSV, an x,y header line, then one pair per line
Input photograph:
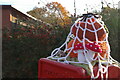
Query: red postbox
x,y
48,69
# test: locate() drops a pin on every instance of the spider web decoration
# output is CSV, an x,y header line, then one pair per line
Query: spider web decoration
x,y
87,19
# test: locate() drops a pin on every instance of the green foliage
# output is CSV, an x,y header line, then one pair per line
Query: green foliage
x,y
110,17
23,46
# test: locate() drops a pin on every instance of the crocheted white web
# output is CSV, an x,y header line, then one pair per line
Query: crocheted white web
x,y
64,47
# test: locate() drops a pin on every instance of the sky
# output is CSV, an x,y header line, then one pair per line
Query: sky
x,y
82,6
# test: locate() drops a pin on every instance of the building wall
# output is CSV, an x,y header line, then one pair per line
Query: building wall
x,y
6,16
11,15
0,17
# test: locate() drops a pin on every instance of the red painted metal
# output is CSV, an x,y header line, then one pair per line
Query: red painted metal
x,y
48,69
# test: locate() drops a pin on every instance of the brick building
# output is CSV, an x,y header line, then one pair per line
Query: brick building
x,y
10,17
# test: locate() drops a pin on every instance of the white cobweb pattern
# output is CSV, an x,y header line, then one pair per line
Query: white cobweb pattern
x,y
101,69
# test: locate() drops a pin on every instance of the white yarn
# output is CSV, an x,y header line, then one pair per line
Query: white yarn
x,y
69,50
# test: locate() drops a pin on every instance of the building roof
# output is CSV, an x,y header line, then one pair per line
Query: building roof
x,y
26,14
